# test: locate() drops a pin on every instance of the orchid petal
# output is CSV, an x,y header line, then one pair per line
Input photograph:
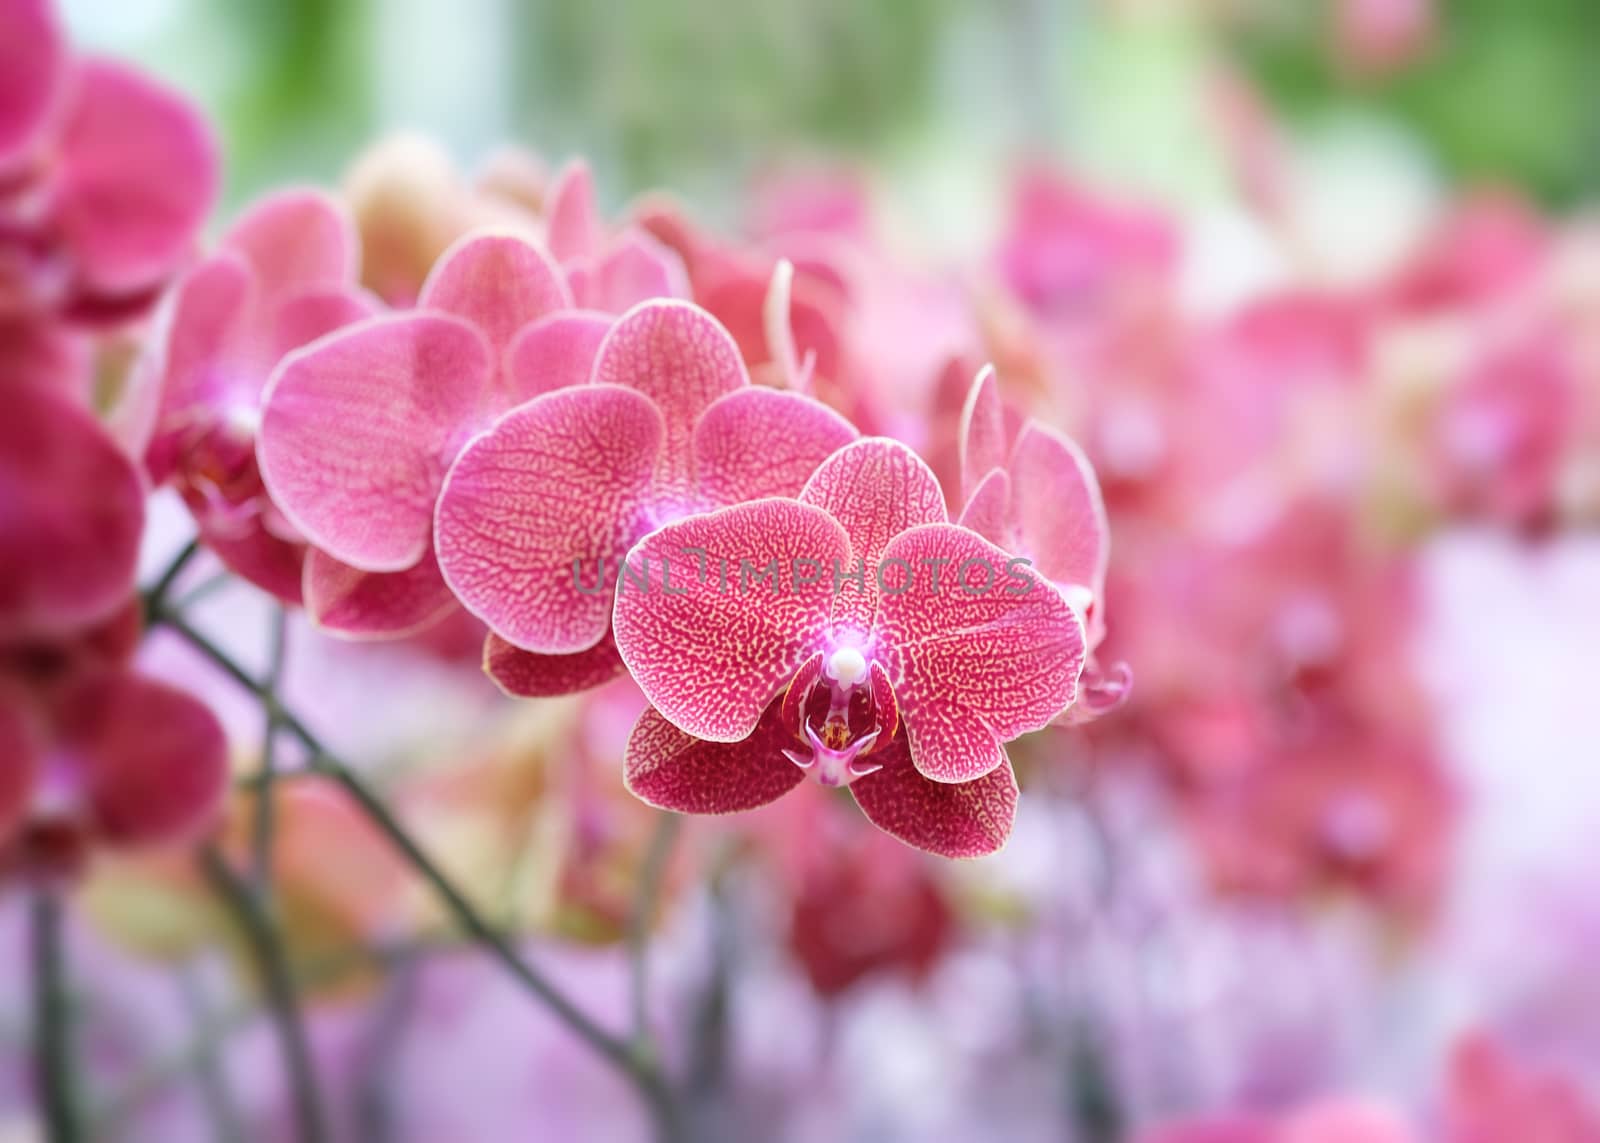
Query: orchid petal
x,y
499,282
32,63
674,771
156,759
951,819
1058,510
73,514
987,509
876,488
355,604
555,352
635,268
314,313
558,484
527,674
983,431
708,641
359,429
296,239
677,355
251,551
757,442
573,219
979,650
748,305
137,177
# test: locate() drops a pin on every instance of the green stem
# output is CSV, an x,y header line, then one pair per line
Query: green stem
x,y
261,852
643,1072
156,598
52,1022
277,980
651,874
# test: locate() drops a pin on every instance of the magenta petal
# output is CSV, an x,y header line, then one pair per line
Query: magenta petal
x,y
304,317
553,353
137,177
876,488
526,674
682,359
155,759
500,282
634,269
573,219
32,63
1057,509
758,442
533,505
710,642
983,431
72,515
987,510
296,239
674,771
249,549
951,819
355,604
974,666
359,429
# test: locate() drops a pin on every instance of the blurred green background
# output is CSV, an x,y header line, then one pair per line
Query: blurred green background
x,y
695,93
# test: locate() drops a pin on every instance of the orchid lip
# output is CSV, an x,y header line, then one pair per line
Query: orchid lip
x,y
834,768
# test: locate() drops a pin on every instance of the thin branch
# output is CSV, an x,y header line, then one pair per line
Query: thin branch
x,y
643,1072
211,1066
272,963
651,875
155,599
52,1020
261,851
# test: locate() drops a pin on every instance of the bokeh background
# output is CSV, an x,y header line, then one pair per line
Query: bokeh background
x,y
1094,980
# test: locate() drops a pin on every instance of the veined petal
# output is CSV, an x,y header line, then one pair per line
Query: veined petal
x,y
951,819
983,431
359,428
708,641
573,219
987,510
296,239
72,518
155,759
1058,511
876,488
355,604
528,674
677,355
555,352
757,442
538,510
137,176
675,771
989,651
32,64
499,282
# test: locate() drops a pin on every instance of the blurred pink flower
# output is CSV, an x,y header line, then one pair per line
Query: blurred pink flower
x,y
1491,1097
606,272
105,177
914,690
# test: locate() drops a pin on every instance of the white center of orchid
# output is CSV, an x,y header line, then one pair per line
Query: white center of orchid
x,y
847,666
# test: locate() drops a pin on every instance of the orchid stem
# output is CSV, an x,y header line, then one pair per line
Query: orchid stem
x,y
261,853
272,963
52,1022
651,875
156,598
643,1072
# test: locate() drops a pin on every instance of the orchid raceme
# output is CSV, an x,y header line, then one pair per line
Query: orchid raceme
x,y
852,634
537,512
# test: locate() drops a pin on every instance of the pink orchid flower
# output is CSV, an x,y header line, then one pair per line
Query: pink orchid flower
x,y
537,511
1032,491
281,277
611,273
74,513
764,665
359,428
1334,1120
1492,1097
105,177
